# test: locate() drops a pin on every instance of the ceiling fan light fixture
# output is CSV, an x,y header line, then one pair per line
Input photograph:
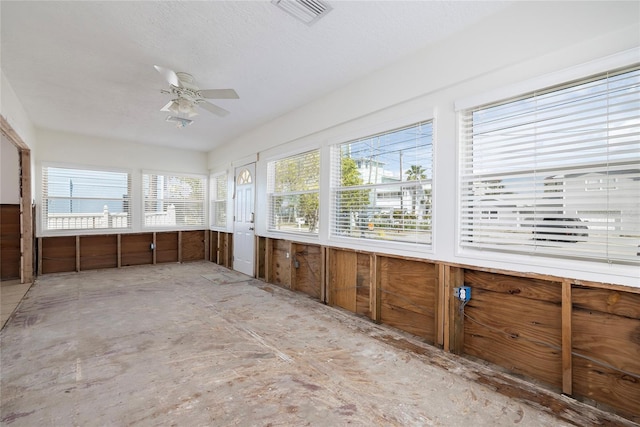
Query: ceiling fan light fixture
x,y
307,11
180,122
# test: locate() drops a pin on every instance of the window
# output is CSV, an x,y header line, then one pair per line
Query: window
x,y
175,201
381,186
293,185
219,201
83,199
559,171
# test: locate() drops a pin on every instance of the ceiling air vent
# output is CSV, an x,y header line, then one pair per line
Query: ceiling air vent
x,y
307,11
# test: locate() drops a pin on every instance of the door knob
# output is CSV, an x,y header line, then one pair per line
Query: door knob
x,y
251,228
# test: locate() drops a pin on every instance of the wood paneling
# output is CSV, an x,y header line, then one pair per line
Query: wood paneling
x,y
98,252
515,323
408,295
342,276
606,350
192,245
167,247
281,263
582,339
58,254
221,248
9,242
363,285
136,249
307,267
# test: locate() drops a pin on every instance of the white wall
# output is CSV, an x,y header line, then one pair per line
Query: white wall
x,y
12,110
10,166
526,41
63,147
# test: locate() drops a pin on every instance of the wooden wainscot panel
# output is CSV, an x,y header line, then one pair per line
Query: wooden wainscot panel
x,y
225,249
281,263
408,295
307,267
606,349
516,323
167,247
98,252
261,272
342,279
363,285
9,241
193,245
214,236
136,249
58,254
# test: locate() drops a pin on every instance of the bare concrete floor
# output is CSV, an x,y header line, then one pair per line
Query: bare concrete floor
x,y
199,345
11,293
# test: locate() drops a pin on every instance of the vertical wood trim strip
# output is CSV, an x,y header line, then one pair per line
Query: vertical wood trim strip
x,y
377,284
567,346
155,248
180,246
78,253
26,214
373,289
440,301
40,256
292,273
119,250
207,246
456,327
26,218
267,259
448,317
323,274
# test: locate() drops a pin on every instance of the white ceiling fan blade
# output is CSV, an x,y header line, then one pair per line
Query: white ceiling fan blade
x,y
169,75
219,94
213,108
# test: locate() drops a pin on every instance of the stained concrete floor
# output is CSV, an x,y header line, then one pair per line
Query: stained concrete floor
x,y
199,345
11,293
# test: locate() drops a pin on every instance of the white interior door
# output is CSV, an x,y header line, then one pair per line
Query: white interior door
x,y
243,219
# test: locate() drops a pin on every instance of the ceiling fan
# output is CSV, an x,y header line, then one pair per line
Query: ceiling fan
x,y
187,96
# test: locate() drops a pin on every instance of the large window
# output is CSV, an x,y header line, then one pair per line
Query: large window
x,y
175,201
292,187
556,172
84,199
219,201
382,186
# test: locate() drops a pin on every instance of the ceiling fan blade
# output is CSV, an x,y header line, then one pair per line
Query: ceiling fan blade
x,y
219,94
213,108
169,75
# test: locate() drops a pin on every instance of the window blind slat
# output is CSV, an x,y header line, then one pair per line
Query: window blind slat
x,y
556,172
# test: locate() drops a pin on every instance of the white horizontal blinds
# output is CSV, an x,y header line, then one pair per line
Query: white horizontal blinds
x,y
219,201
84,199
382,186
293,193
173,201
556,172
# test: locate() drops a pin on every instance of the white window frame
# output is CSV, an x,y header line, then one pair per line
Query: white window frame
x,y
101,222
376,230
302,229
215,180
565,77
169,224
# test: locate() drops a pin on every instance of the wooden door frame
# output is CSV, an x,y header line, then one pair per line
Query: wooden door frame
x,y
26,213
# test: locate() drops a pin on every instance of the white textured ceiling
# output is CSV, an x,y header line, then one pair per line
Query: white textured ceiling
x,y
87,66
